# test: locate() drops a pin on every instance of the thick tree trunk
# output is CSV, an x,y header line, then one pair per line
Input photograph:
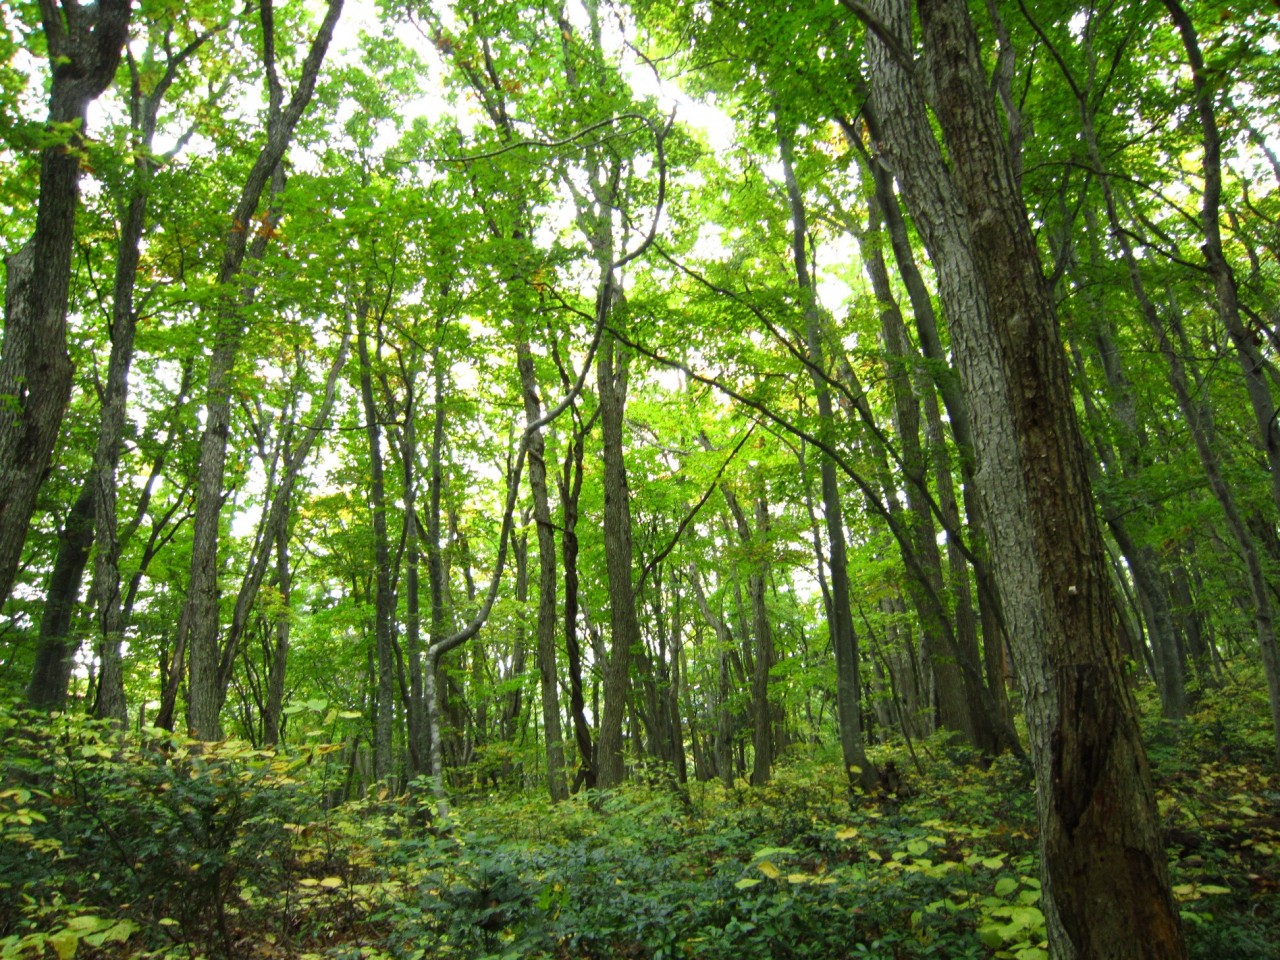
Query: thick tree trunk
x,y
84,45
1105,883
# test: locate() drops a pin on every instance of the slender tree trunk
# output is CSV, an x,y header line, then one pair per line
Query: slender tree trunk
x,y
546,628
1105,883
272,709
570,488
384,612
199,624
418,745
844,640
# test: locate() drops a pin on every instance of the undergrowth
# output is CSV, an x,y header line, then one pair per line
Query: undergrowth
x,y
155,847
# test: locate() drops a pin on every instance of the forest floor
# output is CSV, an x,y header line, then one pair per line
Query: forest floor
x,y
166,851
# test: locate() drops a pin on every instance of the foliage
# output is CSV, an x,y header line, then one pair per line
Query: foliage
x,y
151,845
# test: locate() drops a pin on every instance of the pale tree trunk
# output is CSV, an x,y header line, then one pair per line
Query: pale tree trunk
x,y
1105,879
84,44
198,629
844,641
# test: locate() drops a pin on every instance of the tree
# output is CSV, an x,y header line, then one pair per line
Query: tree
x,y
84,44
1100,837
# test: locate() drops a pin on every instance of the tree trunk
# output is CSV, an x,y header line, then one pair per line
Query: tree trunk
x,y
384,602
84,45
1105,881
570,488
199,623
844,641
272,708
611,383
47,689
546,628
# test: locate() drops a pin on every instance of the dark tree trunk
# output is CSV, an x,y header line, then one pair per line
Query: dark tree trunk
x,y
384,602
84,45
570,488
48,687
844,640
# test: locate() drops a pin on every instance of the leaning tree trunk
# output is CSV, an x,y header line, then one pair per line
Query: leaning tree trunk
x,y
1105,879
47,689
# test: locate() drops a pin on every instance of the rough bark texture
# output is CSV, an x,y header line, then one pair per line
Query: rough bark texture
x,y
1106,887
611,383
84,43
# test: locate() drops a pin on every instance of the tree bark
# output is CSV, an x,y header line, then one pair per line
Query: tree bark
x,y
384,602
1105,881
47,689
611,383
84,45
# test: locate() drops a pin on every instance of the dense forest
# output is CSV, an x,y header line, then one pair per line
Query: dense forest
x,y
678,478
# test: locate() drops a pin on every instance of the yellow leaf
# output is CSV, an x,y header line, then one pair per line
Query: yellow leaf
x,y
331,883
797,878
846,833
768,869
65,944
